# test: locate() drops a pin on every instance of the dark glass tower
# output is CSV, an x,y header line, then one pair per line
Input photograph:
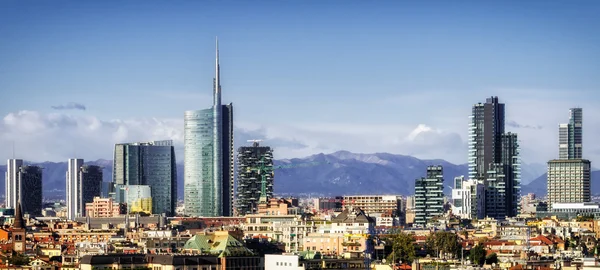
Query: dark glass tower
x,y
152,164
30,178
250,179
494,159
429,195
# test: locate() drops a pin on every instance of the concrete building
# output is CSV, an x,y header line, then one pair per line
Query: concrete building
x,y
152,164
467,197
569,181
429,195
103,207
569,177
282,261
409,217
84,182
208,157
249,188
373,204
11,186
328,204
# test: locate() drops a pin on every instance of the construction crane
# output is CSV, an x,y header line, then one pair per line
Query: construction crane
x,y
263,169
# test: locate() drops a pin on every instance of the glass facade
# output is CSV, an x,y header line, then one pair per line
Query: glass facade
x,y
137,197
429,196
199,195
30,178
151,164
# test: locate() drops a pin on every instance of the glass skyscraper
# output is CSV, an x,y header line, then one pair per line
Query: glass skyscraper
x,y
208,157
152,164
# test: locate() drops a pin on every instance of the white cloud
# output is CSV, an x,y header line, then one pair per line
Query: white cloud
x,y
40,137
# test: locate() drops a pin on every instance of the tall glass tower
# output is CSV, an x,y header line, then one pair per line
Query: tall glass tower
x,y
208,156
571,136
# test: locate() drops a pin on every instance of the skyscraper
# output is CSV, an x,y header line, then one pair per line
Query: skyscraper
x,y
494,160
30,195
12,189
84,182
569,176
250,158
429,195
208,156
571,136
152,164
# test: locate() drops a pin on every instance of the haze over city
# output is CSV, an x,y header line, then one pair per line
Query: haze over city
x,y
306,77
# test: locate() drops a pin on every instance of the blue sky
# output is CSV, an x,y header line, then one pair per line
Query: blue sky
x,y
307,76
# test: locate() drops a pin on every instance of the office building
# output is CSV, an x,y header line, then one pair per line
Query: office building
x,y
249,188
84,182
494,160
467,197
334,204
137,198
571,136
151,164
11,186
429,196
208,157
569,181
569,177
30,182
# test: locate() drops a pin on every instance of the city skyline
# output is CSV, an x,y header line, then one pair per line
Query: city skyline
x,y
72,107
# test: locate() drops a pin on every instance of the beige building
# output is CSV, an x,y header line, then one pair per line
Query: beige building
x,y
568,181
288,229
102,207
373,204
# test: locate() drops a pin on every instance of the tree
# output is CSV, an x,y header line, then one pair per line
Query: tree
x,y
18,259
442,243
492,258
477,255
403,248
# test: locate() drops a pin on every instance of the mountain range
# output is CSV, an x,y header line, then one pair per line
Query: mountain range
x,y
539,186
339,173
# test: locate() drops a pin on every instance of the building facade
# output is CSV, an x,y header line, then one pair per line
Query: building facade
x,y
249,188
429,196
569,181
571,136
494,159
376,204
30,180
11,182
467,197
102,208
152,164
569,177
208,157
138,198
84,182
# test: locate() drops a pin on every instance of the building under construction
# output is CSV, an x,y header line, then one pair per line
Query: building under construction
x,y
254,162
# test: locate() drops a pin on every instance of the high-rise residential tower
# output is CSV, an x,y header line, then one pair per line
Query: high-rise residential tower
x,y
208,156
84,182
569,177
250,159
494,160
12,189
152,164
429,195
571,136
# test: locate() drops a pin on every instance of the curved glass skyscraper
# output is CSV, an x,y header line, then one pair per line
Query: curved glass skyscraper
x,y
208,157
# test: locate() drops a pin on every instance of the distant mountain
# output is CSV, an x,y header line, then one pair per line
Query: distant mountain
x,y
532,171
339,173
539,186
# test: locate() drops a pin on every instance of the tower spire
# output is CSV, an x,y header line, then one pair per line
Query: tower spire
x,y
217,82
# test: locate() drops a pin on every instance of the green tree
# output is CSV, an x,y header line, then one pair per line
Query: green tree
x,y
492,258
403,248
18,259
477,255
442,244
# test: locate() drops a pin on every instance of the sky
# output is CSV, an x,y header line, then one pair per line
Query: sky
x,y
307,77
